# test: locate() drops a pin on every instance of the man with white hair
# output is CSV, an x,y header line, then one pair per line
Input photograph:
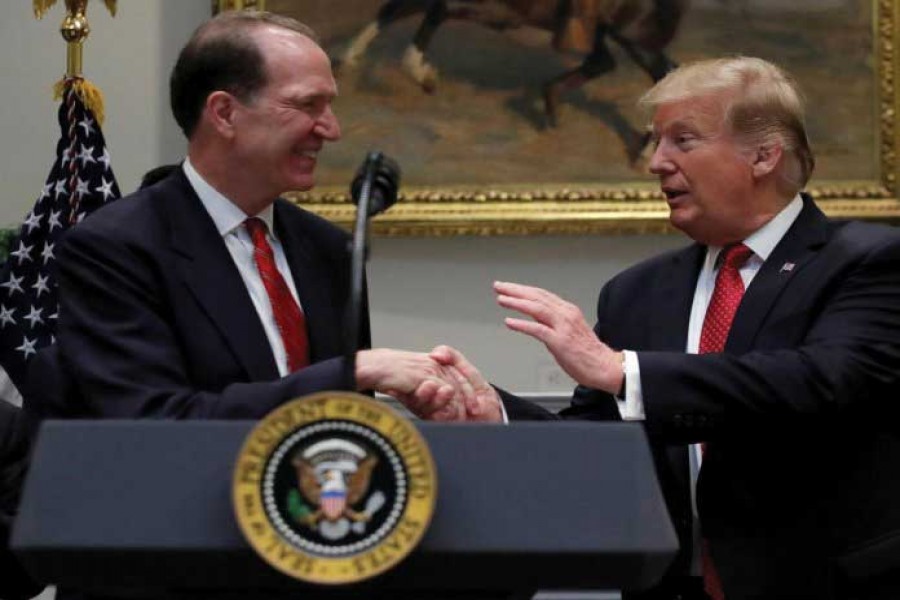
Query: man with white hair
x,y
771,344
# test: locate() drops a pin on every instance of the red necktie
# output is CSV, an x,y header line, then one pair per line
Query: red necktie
x,y
725,299
288,317
722,306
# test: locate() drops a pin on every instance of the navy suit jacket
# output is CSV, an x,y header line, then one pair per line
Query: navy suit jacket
x,y
800,488
155,320
15,443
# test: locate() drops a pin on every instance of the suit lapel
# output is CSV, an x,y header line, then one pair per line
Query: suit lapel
x,y
798,246
672,299
312,281
207,269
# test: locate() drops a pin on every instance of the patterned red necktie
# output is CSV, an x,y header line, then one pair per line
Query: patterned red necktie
x,y
288,316
725,299
722,306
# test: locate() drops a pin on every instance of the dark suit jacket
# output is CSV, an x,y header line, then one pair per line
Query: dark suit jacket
x,y
156,322
15,441
800,488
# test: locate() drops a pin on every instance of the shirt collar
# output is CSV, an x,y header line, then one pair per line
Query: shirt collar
x,y
225,214
763,241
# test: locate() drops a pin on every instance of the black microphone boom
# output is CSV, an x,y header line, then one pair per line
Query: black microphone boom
x,y
385,181
374,190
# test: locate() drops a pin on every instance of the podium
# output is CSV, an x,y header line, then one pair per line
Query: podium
x,y
144,508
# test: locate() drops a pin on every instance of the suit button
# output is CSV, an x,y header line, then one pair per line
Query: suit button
x,y
677,419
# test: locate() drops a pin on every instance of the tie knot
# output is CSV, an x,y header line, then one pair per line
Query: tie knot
x,y
735,256
256,228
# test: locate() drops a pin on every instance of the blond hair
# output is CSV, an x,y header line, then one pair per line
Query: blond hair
x,y
764,108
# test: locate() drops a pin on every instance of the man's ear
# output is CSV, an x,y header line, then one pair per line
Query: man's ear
x,y
765,159
220,110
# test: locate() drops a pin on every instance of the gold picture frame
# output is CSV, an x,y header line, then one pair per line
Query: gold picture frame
x,y
222,5
863,149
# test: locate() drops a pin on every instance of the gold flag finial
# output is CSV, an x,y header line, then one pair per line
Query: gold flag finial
x,y
75,30
42,6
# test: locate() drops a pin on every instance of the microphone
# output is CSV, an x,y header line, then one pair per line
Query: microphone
x,y
382,174
374,190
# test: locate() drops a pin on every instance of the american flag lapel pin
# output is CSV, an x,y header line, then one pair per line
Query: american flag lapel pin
x,y
787,267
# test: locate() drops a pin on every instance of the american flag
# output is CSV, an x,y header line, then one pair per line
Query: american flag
x,y
80,181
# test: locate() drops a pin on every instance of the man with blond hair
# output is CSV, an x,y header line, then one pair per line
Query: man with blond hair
x,y
771,346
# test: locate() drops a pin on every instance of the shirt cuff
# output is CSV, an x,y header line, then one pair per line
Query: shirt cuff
x,y
631,407
503,410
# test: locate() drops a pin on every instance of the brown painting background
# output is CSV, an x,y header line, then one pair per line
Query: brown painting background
x,y
484,124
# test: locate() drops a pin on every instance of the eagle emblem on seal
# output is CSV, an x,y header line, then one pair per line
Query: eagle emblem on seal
x,y
333,477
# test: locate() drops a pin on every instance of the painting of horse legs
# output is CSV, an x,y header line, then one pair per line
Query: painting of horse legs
x,y
543,92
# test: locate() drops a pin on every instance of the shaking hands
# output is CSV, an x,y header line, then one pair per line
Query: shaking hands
x,y
444,386
439,386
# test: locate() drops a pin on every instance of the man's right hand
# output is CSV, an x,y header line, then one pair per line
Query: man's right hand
x,y
403,374
479,401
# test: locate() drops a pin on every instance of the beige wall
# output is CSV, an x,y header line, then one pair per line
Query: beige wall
x,y
423,291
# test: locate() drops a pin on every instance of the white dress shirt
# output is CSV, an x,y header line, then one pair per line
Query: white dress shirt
x,y
229,220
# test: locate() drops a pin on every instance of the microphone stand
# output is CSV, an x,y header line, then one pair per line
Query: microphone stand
x,y
359,253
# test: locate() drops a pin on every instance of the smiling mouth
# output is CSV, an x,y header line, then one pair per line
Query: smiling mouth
x,y
673,194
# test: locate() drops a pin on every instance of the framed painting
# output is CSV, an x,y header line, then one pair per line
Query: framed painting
x,y
468,118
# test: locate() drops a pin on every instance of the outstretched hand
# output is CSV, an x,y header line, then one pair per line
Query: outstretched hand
x,y
482,403
476,400
400,373
563,330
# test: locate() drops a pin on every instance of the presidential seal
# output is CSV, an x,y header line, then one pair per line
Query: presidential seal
x,y
334,488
